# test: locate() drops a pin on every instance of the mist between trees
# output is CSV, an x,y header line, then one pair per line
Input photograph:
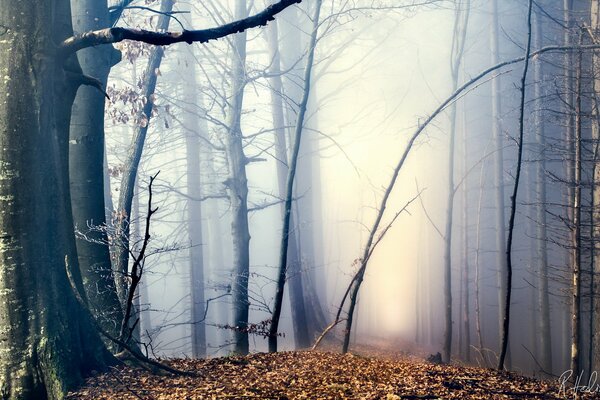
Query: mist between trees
x,y
422,173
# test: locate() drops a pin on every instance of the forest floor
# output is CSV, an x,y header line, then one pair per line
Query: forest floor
x,y
320,375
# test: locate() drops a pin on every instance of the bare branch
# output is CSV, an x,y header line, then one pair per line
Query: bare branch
x,y
115,35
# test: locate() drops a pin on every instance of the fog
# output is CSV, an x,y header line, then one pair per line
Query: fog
x,y
380,69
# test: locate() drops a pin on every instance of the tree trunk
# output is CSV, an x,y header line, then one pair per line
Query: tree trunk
x,y
498,172
541,259
47,341
569,131
295,277
595,18
131,165
86,158
466,320
458,43
237,188
513,201
576,232
283,255
191,122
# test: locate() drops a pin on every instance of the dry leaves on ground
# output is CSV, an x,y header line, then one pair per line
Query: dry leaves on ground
x,y
316,375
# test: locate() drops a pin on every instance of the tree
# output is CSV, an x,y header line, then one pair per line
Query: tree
x,y
595,19
540,212
48,342
458,45
499,214
191,122
299,317
122,224
237,188
86,158
513,200
289,188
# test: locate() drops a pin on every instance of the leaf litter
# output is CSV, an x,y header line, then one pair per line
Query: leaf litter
x,y
318,375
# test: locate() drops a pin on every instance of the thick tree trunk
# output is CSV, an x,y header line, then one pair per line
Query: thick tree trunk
x,y
47,342
86,158
237,188
299,321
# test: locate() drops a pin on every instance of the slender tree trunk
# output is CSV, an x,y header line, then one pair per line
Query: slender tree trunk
x,y
47,341
466,320
576,232
134,157
191,125
458,43
541,251
569,162
478,266
498,171
237,188
513,201
283,255
295,277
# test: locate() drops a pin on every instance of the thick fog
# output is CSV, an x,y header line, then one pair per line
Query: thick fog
x,y
381,68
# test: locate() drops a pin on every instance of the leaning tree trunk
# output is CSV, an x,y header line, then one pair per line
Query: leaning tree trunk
x,y
289,189
86,159
291,51
299,321
46,342
131,166
237,188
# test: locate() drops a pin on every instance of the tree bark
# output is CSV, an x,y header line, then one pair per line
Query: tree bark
x,y
237,188
576,232
86,160
47,342
595,25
